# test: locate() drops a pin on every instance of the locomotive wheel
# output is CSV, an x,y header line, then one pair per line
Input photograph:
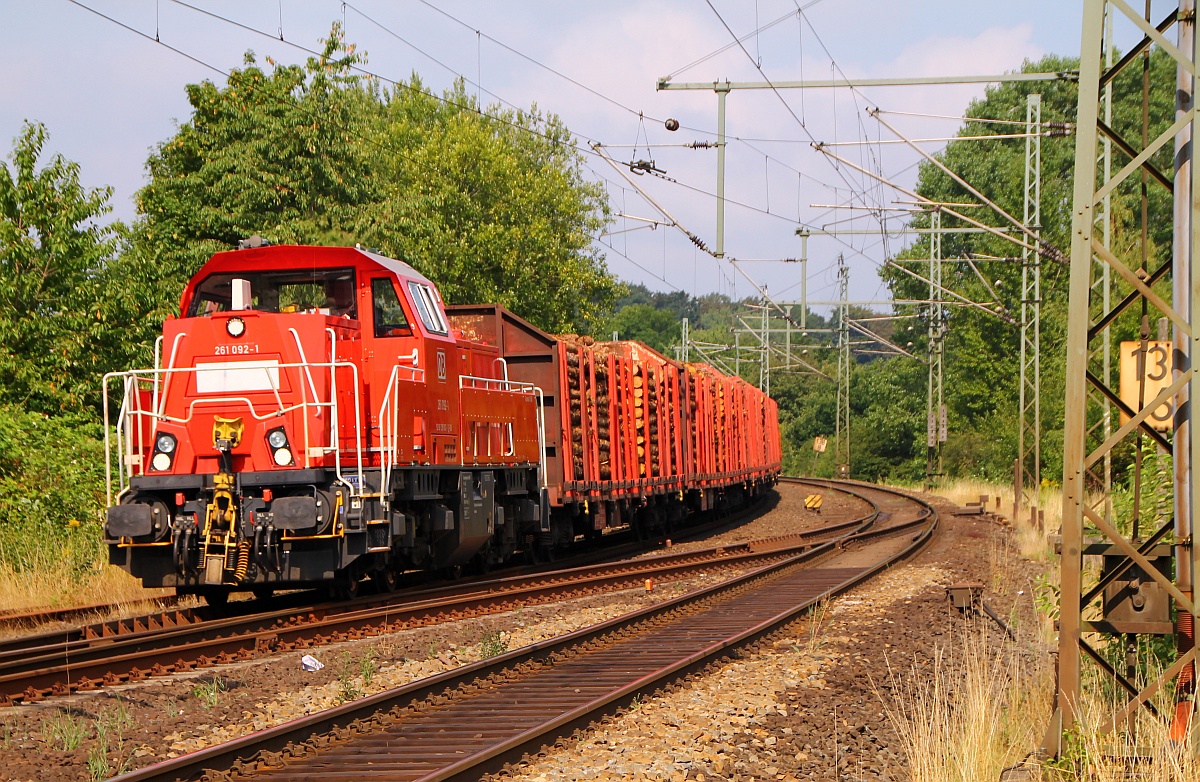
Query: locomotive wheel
x,y
385,580
482,561
216,597
263,592
345,588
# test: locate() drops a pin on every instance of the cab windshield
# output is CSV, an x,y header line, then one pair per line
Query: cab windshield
x,y
323,291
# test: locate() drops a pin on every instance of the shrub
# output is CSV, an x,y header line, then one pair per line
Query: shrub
x,y
51,490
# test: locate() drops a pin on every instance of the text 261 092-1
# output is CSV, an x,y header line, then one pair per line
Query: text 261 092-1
x,y
236,350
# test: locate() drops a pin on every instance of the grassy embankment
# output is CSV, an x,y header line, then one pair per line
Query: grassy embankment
x,y
58,584
981,706
52,499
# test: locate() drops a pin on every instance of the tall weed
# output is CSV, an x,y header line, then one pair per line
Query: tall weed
x,y
974,710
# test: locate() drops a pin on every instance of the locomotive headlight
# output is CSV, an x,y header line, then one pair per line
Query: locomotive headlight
x,y
236,327
161,462
277,439
166,445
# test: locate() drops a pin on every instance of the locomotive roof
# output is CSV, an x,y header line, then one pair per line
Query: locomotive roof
x,y
296,256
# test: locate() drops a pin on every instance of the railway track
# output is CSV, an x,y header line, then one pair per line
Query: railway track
x,y
57,664
472,720
172,615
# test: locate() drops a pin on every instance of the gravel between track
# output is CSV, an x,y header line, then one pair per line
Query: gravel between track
x,y
769,715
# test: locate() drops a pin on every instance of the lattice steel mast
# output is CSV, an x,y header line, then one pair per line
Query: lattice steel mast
x,y
1144,571
935,396
842,447
1029,437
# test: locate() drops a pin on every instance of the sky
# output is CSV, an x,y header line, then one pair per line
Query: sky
x,y
108,96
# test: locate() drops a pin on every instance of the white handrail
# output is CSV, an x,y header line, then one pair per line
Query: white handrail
x,y
304,362
335,418
541,418
387,449
389,425
108,437
161,397
131,415
517,387
500,384
158,343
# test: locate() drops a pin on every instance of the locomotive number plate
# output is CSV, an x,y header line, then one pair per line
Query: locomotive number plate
x,y
248,349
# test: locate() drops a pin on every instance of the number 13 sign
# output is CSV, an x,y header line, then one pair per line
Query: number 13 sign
x,y
1154,368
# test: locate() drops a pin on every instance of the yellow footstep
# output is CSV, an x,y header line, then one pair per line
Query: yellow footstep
x,y
813,502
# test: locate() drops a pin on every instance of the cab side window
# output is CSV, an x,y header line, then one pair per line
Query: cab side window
x,y
389,315
428,308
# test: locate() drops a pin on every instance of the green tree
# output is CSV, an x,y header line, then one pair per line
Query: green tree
x,y
51,490
982,351
657,328
887,419
276,153
57,324
490,204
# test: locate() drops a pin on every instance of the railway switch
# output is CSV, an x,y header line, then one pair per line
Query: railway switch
x,y
965,596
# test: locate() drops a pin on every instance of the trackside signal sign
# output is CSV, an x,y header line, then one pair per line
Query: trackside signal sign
x,y
1144,374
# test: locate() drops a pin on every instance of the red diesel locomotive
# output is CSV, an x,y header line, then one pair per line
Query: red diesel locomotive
x,y
318,415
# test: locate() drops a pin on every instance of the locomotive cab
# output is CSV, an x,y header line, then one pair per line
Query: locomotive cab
x,y
312,417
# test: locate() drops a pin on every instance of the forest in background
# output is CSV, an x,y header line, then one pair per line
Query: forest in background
x,y
492,204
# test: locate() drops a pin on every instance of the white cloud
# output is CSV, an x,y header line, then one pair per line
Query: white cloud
x,y
994,50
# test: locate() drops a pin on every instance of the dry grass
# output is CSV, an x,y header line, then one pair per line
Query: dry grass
x,y
973,711
982,704
1032,542
977,708
1105,757
54,586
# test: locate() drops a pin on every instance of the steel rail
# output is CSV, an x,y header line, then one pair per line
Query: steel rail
x,y
471,720
17,617
54,671
25,644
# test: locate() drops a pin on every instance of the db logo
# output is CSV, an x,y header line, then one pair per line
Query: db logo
x,y
441,365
